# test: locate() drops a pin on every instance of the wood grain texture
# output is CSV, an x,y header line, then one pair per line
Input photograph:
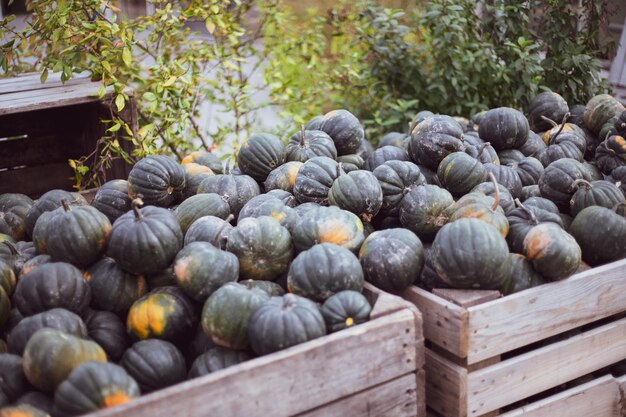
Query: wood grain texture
x,y
446,386
522,376
31,81
397,398
519,319
597,398
466,298
295,380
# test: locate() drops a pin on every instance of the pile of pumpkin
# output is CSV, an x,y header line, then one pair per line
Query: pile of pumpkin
x,y
188,268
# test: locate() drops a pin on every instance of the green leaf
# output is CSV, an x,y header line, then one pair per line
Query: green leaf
x,y
210,26
120,102
127,56
101,91
106,66
44,76
148,96
115,127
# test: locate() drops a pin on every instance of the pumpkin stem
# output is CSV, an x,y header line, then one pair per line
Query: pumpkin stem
x,y
12,248
496,203
576,184
135,204
230,218
561,128
526,210
66,205
302,142
615,208
552,122
482,149
340,170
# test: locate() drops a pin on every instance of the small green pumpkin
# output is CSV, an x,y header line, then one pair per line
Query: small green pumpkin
x,y
596,193
194,175
206,159
504,128
22,410
533,144
328,225
283,177
344,129
397,139
459,173
529,170
509,156
618,177
13,382
396,179
271,288
260,154
216,359
535,210
267,205
13,210
345,309
154,364
601,234
158,180
611,154
314,180
109,331
48,202
489,189
422,210
529,191
357,192
553,153
506,176
236,190
433,139
200,205
599,110
523,275
209,229
7,278
384,154
556,181
17,254
553,252
546,105
351,162
308,144
112,199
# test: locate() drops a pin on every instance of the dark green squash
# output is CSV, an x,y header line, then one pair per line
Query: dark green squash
x,y
48,202
345,309
482,151
504,128
529,170
260,154
384,154
56,318
357,192
350,162
489,189
601,234
324,270
201,269
618,177
164,313
314,123
263,247
556,181
163,278
283,322
13,210
530,191
599,110
112,199
266,205
308,144
509,156
17,254
216,359
506,176
392,259
7,278
236,190
51,355
433,139
523,275
205,158
566,132
419,118
546,105
13,382
553,153
422,210
200,205
328,225
209,229
533,144
397,139
145,241
158,180
194,175
314,180
226,314
396,179
57,284
94,386
459,173
286,197
577,112
344,129
283,177
553,252
109,331
611,154
470,253
596,193
533,211
154,364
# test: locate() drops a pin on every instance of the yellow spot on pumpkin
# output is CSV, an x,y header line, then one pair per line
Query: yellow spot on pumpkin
x,y
538,240
149,317
621,142
292,174
349,321
17,413
87,276
278,216
116,398
180,269
333,233
191,157
193,169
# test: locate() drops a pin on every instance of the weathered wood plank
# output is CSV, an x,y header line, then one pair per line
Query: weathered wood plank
x,y
466,298
397,398
446,386
292,381
32,82
445,323
597,398
517,378
36,180
519,319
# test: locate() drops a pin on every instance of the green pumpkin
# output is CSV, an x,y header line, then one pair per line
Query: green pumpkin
x,y
384,154
422,210
328,225
163,278
345,309
344,129
154,364
260,154
601,234
308,144
283,322
112,199
17,254
489,213
489,189
533,144
535,210
599,110
529,170
397,139
611,154
51,355
357,192
556,181
478,149
324,270
506,176
209,229
433,139
206,159
504,128
109,331
13,210
145,241
553,252
52,285
216,359
48,202
263,247
226,314
271,288
158,180
200,205
194,175
236,190
459,173
530,191
201,269
470,253
267,205
509,156
563,150
283,177
351,162
314,180
523,275
546,105
566,132
164,313
396,179
7,278
286,197
13,382
94,386
596,193
618,177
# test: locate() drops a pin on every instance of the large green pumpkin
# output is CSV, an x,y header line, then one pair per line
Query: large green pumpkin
x,y
226,314
237,190
109,331
357,192
48,202
308,144
154,364
556,181
314,180
553,252
260,154
324,270
546,105
328,225
504,128
601,234
158,180
596,193
200,205
94,386
13,210
459,173
599,110
396,179
422,210
283,322
345,309
344,129
112,199
216,359
433,139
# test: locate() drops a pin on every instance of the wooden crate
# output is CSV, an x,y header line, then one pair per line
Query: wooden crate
x,y
374,369
486,352
42,126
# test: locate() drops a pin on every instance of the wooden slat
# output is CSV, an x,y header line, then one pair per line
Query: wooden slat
x,y
37,180
466,298
597,398
536,371
396,398
445,323
519,319
292,381
32,82
446,386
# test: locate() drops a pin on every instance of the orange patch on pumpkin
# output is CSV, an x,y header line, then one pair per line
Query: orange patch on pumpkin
x,y
333,233
87,276
17,413
278,216
149,317
105,236
621,142
292,174
538,241
191,157
116,398
192,169
180,269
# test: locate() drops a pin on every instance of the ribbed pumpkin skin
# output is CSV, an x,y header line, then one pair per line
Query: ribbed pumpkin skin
x,y
112,288
260,154
109,331
535,210
35,400
216,359
271,288
357,192
397,139
506,176
553,153
509,156
315,143
523,276
164,313
344,129
266,205
469,253
201,269
384,154
324,270
533,144
56,318
433,139
208,229
556,181
489,213
392,259
226,314
237,190
504,128
48,202
330,225
17,254
553,252
488,189
93,386
200,205
112,199
459,173
599,110
145,242
548,104
568,132
620,124
7,277
314,180
158,179
301,321
601,234
52,285
13,382
422,209
286,197
154,364
611,154
396,178
51,355
194,175
529,191
283,177
263,247
205,158
618,177
13,210
597,193
350,162
529,170
345,309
